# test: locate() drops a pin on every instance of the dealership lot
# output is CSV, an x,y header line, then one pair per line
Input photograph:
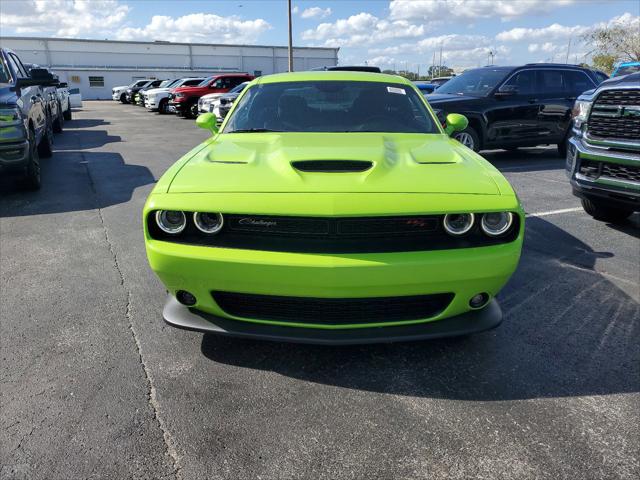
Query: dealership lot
x,y
94,385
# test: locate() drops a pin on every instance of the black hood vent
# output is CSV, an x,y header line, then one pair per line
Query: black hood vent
x,y
332,166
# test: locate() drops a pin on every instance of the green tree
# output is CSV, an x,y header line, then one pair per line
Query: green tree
x,y
604,62
620,41
439,71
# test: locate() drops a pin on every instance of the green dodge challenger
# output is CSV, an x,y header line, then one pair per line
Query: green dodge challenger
x,y
332,207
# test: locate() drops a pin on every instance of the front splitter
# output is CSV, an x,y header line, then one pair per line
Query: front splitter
x,y
180,316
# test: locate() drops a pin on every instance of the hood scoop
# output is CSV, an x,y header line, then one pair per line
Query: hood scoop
x,y
332,166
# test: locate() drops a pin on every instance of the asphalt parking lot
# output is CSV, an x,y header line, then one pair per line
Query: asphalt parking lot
x,y
94,385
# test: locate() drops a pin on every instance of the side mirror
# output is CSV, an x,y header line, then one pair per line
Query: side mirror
x,y
208,121
506,91
455,123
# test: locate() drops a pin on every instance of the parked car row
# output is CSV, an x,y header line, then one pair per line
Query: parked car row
x,y
34,105
185,97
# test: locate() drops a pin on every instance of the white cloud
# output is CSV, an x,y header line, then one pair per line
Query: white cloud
x,y
107,19
63,18
197,27
361,30
427,10
383,62
552,32
316,12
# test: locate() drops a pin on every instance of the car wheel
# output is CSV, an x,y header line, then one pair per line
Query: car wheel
x,y
58,125
67,112
123,98
469,138
162,107
192,110
604,212
562,148
32,174
45,149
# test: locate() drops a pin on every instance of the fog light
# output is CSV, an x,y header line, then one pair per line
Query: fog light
x,y
479,300
185,298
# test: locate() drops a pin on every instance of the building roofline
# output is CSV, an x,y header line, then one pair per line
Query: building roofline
x,y
162,42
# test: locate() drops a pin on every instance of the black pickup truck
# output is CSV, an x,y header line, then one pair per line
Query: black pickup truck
x,y
25,133
603,158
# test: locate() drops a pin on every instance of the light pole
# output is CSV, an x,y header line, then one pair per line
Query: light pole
x,y
290,38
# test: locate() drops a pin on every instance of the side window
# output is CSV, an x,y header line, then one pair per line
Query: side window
x,y
524,82
576,82
191,83
551,81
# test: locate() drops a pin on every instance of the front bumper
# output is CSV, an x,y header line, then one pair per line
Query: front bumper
x,y
614,191
475,321
14,156
150,103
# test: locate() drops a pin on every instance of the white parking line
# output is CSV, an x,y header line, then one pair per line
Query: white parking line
x,y
554,212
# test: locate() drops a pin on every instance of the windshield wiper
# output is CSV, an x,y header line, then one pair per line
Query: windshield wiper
x,y
253,130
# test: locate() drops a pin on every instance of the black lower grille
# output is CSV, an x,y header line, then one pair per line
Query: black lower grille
x,y
332,311
592,169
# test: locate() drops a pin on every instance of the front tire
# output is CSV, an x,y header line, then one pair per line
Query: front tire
x,y
192,110
606,213
469,138
123,98
45,148
163,106
58,125
32,179
67,112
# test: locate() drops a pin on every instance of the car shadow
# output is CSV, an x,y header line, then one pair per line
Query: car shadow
x,y
74,181
89,139
85,123
631,226
567,331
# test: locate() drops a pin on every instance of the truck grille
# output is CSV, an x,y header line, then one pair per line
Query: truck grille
x,y
592,169
616,115
332,311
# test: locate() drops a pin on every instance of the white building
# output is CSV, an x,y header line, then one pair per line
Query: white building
x,y
95,66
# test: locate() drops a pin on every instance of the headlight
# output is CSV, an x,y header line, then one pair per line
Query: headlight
x,y
458,223
496,224
171,221
581,110
208,222
10,117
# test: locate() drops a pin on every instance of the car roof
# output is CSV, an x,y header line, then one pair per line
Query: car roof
x,y
334,75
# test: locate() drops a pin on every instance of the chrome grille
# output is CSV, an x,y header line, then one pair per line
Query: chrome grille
x,y
616,115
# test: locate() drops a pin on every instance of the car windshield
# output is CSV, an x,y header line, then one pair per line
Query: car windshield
x,y
627,69
4,73
166,83
331,106
238,88
206,81
477,82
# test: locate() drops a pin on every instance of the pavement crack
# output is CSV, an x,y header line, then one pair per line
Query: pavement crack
x,y
152,400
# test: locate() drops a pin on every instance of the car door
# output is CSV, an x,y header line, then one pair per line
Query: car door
x,y
31,101
220,85
557,95
512,115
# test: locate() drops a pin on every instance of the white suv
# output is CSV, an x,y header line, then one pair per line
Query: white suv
x,y
118,93
158,98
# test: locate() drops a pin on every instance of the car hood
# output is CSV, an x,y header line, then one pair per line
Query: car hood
x,y
448,98
121,87
153,91
211,96
262,162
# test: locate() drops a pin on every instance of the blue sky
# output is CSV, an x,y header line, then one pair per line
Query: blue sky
x,y
400,33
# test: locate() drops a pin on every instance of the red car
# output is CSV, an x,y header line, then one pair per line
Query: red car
x,y
184,100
